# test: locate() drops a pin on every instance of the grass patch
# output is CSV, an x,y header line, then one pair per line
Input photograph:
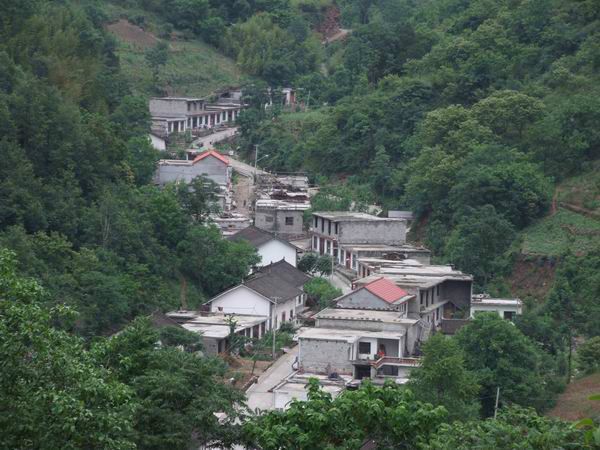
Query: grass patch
x,y
193,69
553,235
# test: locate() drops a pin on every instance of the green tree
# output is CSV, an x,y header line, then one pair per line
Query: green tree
x,y
53,394
588,355
322,292
442,379
478,242
389,416
502,357
178,392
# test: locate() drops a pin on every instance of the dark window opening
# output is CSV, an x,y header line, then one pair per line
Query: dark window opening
x,y
289,221
364,348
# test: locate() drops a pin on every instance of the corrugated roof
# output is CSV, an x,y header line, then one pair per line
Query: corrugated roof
x,y
217,155
386,290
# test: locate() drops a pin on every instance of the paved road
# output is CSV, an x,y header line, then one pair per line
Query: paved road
x,y
244,169
208,141
258,394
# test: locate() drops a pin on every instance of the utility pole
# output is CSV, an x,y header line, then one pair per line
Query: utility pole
x,y
497,400
255,160
273,319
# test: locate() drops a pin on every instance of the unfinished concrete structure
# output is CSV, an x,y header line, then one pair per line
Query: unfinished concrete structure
x,y
507,308
280,217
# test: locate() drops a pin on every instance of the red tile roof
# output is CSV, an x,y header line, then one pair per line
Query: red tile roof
x,y
386,290
217,155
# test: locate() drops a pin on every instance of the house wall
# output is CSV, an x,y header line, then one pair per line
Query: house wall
x,y
274,220
161,107
158,143
457,291
365,325
362,298
389,232
289,308
500,310
209,167
321,356
274,250
242,300
211,346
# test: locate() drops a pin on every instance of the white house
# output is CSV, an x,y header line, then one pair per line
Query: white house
x,y
269,247
157,142
507,308
274,291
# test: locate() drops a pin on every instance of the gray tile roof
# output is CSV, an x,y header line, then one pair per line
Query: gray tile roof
x,y
278,281
255,236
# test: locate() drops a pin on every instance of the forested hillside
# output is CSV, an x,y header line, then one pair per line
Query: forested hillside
x,y
480,116
467,113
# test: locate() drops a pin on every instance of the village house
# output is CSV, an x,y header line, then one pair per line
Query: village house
x,y
270,248
274,291
281,218
179,114
215,328
348,236
231,223
210,164
368,334
441,292
507,308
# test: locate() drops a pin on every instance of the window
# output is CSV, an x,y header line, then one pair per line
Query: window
x,y
316,221
315,242
329,229
289,221
283,317
364,348
509,315
268,219
322,225
438,290
336,228
291,314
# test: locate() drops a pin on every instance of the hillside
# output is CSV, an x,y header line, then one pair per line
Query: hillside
x,y
193,68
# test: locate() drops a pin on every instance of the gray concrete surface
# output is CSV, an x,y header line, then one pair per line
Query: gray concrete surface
x,y
258,394
207,142
340,282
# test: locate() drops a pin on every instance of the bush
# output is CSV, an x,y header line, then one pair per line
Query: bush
x,y
322,292
588,355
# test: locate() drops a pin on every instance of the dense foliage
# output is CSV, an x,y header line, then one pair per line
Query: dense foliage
x,y
74,199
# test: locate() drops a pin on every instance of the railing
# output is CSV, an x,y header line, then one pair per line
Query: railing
x,y
385,360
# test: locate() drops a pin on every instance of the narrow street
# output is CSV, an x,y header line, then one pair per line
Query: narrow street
x,y
258,394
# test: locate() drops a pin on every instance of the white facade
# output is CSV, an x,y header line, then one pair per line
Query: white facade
x,y
157,142
241,300
276,250
505,308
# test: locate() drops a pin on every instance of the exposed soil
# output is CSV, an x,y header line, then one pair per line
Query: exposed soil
x,y
241,369
573,404
532,277
132,34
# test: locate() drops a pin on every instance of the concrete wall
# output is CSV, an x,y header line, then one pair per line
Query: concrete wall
x,y
364,325
209,167
389,232
458,291
478,307
362,298
288,308
158,143
274,220
242,300
274,250
319,356
160,107
211,346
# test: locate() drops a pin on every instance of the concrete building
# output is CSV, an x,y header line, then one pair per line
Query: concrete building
x,y
295,387
506,308
279,217
180,114
274,291
342,233
270,248
158,142
380,294
231,223
440,291
209,164
215,327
